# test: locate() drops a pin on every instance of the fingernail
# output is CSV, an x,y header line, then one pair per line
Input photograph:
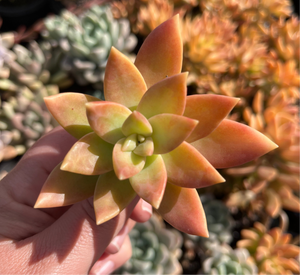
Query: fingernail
x,y
106,268
117,241
147,207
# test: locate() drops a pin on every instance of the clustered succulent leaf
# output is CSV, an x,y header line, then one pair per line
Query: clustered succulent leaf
x,y
24,82
148,138
155,249
272,250
228,261
85,41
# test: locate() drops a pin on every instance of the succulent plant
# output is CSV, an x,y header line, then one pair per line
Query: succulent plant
x,y
24,82
272,250
228,261
147,137
85,41
155,249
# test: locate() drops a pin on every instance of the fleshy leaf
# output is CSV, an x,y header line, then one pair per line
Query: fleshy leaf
x,y
136,123
69,111
182,208
169,131
166,96
91,155
126,164
106,119
111,196
232,144
150,183
130,143
209,110
161,53
123,83
186,167
146,148
64,188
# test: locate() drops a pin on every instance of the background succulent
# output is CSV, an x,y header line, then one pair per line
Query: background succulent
x,y
155,249
271,249
85,41
24,82
225,260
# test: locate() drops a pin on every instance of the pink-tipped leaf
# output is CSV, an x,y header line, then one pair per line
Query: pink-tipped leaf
x,y
182,208
106,119
150,183
186,167
64,188
169,131
166,96
161,53
91,155
69,111
123,83
126,164
209,110
232,144
111,196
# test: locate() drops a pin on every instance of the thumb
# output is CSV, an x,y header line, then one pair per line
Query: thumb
x,y
74,242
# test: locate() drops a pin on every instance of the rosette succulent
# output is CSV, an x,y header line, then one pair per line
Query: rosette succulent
x,y
85,41
228,261
155,249
148,138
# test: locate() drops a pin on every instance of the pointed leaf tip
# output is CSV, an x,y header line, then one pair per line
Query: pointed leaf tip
x,y
161,53
232,144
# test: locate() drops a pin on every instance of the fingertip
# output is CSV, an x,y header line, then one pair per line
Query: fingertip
x,y
142,212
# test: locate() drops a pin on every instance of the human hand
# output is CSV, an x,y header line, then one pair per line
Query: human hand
x,y
64,240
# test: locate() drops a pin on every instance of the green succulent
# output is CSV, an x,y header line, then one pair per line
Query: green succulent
x,y
228,261
24,82
155,249
86,41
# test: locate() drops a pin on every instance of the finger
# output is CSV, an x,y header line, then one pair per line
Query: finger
x,y
142,212
73,243
117,241
110,262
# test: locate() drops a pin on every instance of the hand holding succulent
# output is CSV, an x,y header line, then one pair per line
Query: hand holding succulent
x,y
148,138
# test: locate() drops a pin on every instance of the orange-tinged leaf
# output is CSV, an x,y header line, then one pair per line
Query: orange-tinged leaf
x,y
186,167
287,250
123,83
182,208
64,188
91,155
273,203
111,196
166,96
249,234
161,53
232,144
126,164
70,112
209,110
106,119
292,203
150,183
169,131
289,264
136,123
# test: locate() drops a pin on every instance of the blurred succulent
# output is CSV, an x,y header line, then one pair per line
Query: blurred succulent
x,y
148,132
86,41
225,260
272,250
207,42
155,249
24,83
